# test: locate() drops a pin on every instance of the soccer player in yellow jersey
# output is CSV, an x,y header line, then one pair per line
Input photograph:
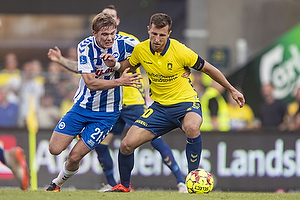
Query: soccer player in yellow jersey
x,y
133,107
175,101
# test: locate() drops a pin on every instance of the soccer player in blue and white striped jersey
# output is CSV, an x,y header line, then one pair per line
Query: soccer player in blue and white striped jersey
x,y
109,99
133,107
98,99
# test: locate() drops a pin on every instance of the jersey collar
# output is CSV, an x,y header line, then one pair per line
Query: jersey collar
x,y
164,51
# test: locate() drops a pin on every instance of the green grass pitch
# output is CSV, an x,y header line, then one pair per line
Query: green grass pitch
x,y
17,194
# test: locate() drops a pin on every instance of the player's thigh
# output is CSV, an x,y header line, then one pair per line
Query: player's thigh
x,y
108,139
134,138
59,142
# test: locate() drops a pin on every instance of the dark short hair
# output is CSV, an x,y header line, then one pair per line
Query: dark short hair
x,y
102,20
112,7
160,20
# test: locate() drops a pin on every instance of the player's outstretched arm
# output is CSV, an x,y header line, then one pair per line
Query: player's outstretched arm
x,y
100,84
110,61
130,80
56,56
125,64
216,75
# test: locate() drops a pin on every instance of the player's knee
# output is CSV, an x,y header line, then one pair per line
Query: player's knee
x,y
73,159
126,148
192,129
53,150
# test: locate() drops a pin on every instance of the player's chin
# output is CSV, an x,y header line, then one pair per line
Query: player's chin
x,y
156,47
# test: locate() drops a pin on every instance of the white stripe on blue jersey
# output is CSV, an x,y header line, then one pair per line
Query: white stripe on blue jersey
x,y
89,62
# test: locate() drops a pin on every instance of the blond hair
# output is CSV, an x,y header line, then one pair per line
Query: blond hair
x,y
102,20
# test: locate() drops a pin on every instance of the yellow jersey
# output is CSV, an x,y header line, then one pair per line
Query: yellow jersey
x,y
240,118
164,71
131,95
222,114
6,76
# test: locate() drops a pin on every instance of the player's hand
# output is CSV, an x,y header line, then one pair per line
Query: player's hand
x,y
108,59
238,97
54,54
187,73
130,80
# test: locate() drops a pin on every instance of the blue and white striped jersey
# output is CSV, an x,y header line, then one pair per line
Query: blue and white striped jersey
x,y
89,62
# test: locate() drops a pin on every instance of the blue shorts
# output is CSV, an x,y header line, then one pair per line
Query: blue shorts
x,y
127,117
161,119
94,126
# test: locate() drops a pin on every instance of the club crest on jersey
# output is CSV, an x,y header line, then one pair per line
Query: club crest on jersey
x,y
61,125
169,66
196,105
116,55
83,59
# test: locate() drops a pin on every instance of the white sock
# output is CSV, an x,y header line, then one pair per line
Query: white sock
x,y
63,175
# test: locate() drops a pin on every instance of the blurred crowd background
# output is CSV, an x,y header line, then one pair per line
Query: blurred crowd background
x,y
227,33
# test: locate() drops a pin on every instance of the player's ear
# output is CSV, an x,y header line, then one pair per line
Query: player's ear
x,y
94,33
118,21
